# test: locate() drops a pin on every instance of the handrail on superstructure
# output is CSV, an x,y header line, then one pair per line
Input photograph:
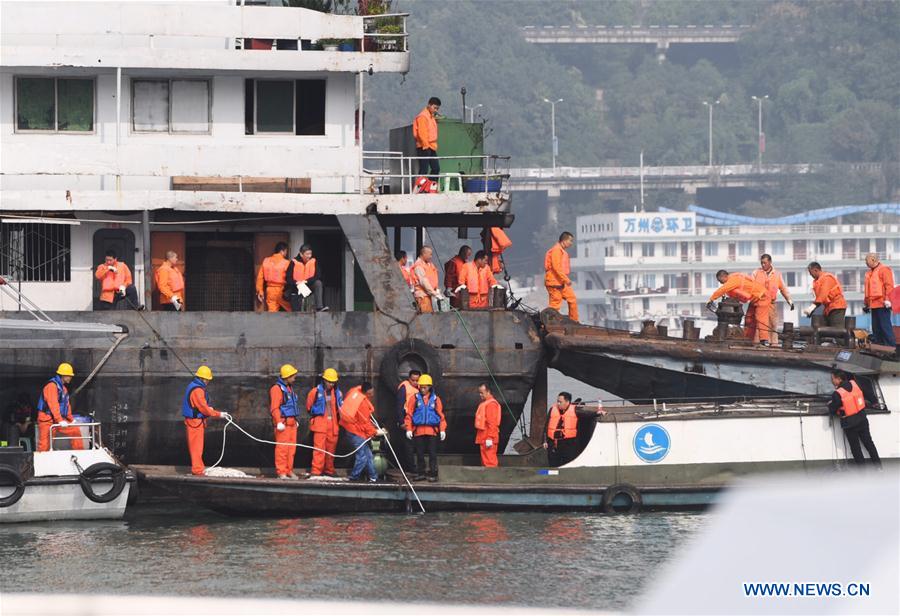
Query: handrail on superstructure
x,y
23,300
494,167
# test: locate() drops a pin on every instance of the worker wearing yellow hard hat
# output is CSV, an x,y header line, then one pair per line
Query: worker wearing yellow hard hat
x,y
324,402
195,408
54,407
285,410
425,423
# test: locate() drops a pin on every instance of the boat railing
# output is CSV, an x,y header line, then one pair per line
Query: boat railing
x,y
394,172
93,435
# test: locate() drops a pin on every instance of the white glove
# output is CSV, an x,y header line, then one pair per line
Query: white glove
x,y
887,303
63,423
409,434
460,288
443,435
809,310
225,416
497,286
380,432
488,443
280,426
176,301
111,268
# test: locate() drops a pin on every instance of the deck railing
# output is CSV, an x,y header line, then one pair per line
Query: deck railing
x,y
389,172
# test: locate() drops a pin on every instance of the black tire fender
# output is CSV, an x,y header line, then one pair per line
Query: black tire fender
x,y
11,477
415,351
94,471
626,489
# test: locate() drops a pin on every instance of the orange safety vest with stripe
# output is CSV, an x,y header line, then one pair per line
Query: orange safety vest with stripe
x,y
562,424
852,402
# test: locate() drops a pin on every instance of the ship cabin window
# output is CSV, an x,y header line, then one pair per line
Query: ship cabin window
x,y
282,107
54,105
35,252
174,106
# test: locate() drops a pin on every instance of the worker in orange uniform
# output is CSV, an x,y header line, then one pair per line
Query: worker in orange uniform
x,y
479,280
828,294
170,283
405,271
425,132
877,300
425,423
771,279
285,410
744,289
498,243
54,408
556,276
324,402
195,408
302,270
270,280
453,270
561,440
487,426
848,403
425,281
407,388
356,420
116,283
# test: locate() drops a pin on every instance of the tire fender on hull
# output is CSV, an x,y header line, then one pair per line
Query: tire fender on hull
x,y
414,352
10,477
628,491
94,471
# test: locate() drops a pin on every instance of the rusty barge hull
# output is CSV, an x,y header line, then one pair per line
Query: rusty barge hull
x,y
137,392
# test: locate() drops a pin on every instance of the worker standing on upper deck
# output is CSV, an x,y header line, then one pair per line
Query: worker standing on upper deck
x,y
479,280
744,289
848,403
829,294
771,279
425,423
877,301
356,420
425,280
54,408
487,426
195,409
170,283
453,273
302,270
285,411
116,283
425,132
324,402
271,278
556,276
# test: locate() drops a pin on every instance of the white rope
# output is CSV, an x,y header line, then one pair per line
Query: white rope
x,y
400,466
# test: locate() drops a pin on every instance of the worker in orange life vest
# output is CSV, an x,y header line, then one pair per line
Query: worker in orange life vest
x,y
744,289
827,293
848,403
425,423
285,410
116,284
356,420
271,278
770,278
195,408
54,407
303,270
170,283
453,273
425,133
498,243
487,426
561,440
402,263
479,280
324,402
879,288
408,388
425,281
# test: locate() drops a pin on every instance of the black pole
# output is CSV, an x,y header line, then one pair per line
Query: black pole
x,y
462,91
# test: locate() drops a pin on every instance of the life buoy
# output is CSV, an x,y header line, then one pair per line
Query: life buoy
x,y
10,477
417,354
629,491
99,470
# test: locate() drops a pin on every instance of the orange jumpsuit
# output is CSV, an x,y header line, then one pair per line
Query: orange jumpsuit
x,y
773,283
270,281
325,429
557,281
284,454
744,289
423,299
356,414
487,426
828,292
110,281
499,243
45,419
195,429
478,281
169,282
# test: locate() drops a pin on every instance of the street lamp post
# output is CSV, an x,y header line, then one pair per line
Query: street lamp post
x,y
710,107
554,142
759,132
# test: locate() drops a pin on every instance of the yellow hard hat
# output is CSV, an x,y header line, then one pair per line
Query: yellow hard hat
x,y
65,370
330,375
425,379
288,370
204,373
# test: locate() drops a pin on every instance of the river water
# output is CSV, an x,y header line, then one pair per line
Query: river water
x,y
549,560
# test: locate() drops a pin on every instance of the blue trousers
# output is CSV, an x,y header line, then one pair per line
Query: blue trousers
x,y
882,330
364,460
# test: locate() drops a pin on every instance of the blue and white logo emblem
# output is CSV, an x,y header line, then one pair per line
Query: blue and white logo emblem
x,y
651,443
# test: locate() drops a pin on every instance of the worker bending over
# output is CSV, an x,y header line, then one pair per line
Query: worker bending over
x,y
356,420
54,407
561,441
170,283
425,422
828,294
744,289
453,273
771,280
302,278
556,276
271,278
324,402
116,284
487,426
195,408
479,280
285,410
425,132
425,281
848,403
877,300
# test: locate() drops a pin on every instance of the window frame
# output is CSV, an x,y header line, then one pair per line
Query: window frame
x,y
293,132
55,130
170,131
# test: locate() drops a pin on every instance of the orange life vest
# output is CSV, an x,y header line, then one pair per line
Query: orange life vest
x,y
274,269
852,402
431,275
411,390
304,271
569,427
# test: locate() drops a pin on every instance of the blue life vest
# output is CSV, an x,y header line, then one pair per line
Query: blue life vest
x,y
288,406
426,414
62,397
318,407
187,410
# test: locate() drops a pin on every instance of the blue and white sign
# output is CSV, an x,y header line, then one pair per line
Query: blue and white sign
x,y
651,443
662,224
